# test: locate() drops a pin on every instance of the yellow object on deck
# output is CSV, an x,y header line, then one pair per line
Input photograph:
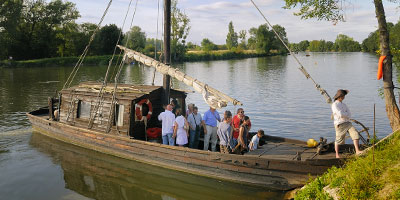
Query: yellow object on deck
x,y
311,143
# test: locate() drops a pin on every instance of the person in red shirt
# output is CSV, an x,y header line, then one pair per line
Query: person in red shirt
x,y
236,124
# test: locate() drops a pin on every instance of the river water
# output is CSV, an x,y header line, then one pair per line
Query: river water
x,y
276,96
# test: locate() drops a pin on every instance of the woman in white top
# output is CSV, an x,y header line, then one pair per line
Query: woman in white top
x,y
181,128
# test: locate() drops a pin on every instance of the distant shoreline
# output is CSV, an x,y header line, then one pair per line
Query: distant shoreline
x,y
190,56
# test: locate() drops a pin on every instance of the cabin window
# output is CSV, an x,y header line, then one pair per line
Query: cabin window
x,y
119,115
83,109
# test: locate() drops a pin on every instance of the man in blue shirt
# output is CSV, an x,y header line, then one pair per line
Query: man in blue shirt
x,y
210,118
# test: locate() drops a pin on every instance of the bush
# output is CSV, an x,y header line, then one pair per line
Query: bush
x,y
361,178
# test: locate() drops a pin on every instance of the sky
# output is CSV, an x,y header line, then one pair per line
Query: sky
x,y
210,18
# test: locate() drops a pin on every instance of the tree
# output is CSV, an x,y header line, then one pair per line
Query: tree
x,y
39,28
207,45
232,37
179,31
276,43
242,37
261,39
85,31
107,39
331,10
395,43
137,39
345,43
303,45
371,43
10,15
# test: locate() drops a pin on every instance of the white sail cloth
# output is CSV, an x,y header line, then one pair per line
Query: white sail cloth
x,y
213,97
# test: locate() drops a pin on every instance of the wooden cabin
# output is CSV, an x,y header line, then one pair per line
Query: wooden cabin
x,y
83,103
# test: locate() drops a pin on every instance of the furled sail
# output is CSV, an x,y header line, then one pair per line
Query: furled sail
x,y
213,97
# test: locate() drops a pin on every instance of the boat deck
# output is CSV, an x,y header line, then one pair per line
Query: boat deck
x,y
289,151
286,149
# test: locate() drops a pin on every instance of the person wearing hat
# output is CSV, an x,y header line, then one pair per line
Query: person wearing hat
x,y
341,115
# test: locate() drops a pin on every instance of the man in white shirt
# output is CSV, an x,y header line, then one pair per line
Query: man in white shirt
x,y
167,118
341,115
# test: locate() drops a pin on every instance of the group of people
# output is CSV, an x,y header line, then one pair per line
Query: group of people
x,y
232,132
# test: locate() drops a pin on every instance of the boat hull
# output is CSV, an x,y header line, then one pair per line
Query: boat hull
x,y
247,169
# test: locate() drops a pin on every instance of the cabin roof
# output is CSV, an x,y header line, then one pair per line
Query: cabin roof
x,y
127,90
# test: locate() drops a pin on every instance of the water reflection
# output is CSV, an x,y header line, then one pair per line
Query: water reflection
x,y
99,176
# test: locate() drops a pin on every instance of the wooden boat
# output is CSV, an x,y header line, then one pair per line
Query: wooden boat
x,y
114,119
100,176
275,165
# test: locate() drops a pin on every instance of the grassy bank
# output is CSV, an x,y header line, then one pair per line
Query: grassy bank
x,y
192,56
59,61
361,178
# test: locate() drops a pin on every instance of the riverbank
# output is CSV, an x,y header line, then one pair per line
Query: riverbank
x,y
190,56
373,176
59,61
193,56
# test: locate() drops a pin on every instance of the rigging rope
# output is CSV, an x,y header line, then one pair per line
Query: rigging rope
x,y
121,64
301,68
83,55
155,42
100,97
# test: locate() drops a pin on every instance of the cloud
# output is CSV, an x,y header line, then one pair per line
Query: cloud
x,y
210,18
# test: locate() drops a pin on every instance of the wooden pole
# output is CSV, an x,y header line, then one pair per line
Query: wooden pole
x,y
167,50
373,143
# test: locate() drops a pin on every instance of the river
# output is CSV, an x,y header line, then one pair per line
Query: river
x,y
276,96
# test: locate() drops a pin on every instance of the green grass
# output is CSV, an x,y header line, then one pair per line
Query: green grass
x,y
59,61
191,56
361,178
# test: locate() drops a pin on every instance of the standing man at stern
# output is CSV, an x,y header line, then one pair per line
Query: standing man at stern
x,y
341,116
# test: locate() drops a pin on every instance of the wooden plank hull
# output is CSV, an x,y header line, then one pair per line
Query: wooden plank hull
x,y
248,169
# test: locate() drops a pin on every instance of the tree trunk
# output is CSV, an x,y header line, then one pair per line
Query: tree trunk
x,y
391,107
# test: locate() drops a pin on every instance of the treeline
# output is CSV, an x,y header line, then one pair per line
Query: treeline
x,y
36,29
261,39
343,43
371,43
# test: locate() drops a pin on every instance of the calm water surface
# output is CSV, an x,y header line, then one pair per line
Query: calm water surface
x,y
275,94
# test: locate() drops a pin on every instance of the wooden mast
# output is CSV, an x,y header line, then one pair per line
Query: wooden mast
x,y
167,49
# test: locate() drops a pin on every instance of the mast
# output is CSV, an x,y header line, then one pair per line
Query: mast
x,y
167,50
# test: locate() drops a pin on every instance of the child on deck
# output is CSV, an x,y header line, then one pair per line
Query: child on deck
x,y
255,141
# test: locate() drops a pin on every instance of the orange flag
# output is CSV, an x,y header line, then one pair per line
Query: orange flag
x,y
380,67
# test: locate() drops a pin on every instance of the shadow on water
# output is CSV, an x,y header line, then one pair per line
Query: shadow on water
x,y
100,176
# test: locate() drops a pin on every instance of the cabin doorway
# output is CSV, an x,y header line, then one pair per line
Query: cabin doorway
x,y
139,113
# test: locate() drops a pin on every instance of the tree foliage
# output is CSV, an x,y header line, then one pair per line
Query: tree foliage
x,y
263,40
345,43
232,37
179,31
137,39
330,10
207,45
107,39
36,29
